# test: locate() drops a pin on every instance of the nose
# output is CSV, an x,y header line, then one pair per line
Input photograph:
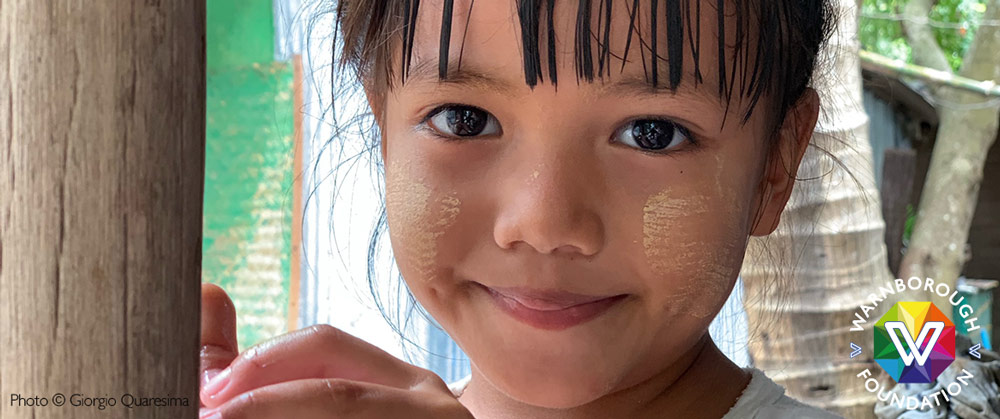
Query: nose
x,y
549,201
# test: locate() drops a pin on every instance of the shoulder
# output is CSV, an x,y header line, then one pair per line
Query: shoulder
x,y
764,398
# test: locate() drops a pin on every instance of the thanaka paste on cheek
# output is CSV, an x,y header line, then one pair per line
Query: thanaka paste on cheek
x,y
535,173
701,265
718,261
417,218
659,216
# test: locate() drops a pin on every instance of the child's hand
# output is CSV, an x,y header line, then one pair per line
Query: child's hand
x,y
316,372
218,332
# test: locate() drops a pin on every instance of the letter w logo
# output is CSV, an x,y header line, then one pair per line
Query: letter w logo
x,y
914,348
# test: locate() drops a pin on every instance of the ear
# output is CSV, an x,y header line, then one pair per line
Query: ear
x,y
376,104
783,164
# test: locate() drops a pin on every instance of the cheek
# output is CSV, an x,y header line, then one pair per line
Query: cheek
x,y
694,239
418,216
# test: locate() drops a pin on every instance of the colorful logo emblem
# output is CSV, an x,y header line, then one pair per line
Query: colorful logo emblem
x,y
914,342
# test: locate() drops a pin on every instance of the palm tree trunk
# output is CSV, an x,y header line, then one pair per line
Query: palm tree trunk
x,y
805,281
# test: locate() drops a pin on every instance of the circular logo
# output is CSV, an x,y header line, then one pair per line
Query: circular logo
x,y
914,342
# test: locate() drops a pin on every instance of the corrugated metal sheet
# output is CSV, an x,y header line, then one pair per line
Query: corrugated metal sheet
x,y
883,130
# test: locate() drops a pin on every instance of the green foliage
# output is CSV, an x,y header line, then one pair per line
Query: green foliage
x,y
884,35
911,219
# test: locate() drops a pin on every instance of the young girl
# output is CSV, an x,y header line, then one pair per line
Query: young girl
x,y
570,187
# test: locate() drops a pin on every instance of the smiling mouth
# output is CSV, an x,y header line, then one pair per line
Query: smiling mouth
x,y
550,310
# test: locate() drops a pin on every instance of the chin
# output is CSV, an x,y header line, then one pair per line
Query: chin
x,y
553,394
556,369
551,383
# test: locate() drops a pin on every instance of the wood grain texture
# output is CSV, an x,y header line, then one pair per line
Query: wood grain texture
x,y
102,128
899,164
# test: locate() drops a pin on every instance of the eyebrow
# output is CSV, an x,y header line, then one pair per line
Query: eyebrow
x,y
634,86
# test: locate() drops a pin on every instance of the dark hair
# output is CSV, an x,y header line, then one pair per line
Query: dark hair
x,y
773,51
789,34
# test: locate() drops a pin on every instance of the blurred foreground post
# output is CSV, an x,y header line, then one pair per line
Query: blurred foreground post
x,y
102,128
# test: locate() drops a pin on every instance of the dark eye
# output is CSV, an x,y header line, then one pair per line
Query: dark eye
x,y
463,121
652,134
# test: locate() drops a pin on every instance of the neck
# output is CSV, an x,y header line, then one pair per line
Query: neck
x,y
690,387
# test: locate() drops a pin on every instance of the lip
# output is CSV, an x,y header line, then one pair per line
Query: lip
x,y
550,309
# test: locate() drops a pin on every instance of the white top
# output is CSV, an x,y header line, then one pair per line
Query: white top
x,y
762,398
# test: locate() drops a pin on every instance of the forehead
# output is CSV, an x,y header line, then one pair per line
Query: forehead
x,y
493,44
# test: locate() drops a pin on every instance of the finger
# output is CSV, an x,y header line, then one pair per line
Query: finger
x,y
320,351
337,398
218,332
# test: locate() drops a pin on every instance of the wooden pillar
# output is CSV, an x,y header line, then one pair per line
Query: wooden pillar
x,y
102,130
898,167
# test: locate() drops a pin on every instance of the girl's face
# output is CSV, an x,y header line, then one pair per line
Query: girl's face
x,y
576,240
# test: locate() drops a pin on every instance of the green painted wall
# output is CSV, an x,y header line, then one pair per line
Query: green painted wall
x,y
239,33
248,166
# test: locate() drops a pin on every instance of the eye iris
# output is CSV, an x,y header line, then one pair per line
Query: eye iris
x,y
653,135
466,121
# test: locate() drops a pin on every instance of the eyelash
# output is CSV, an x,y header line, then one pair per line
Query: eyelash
x,y
426,127
693,141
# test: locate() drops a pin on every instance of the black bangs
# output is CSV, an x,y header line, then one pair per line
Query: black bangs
x,y
760,59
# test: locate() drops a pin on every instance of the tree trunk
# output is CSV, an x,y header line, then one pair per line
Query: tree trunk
x,y
805,281
102,127
967,131
920,35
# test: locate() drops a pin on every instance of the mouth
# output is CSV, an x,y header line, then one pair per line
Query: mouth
x,y
549,309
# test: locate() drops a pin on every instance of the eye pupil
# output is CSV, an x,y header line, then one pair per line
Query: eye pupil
x,y
466,121
652,135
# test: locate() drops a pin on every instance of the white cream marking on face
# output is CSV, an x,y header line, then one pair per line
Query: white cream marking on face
x,y
675,249
660,215
535,173
711,270
415,219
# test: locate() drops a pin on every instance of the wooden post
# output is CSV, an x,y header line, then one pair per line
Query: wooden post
x,y
102,130
898,167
